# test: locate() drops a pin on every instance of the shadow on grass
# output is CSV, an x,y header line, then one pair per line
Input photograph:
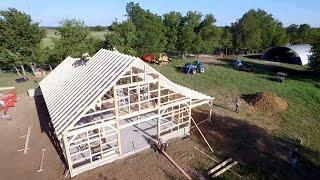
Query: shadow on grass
x,y
260,154
253,56
178,68
272,68
47,126
223,107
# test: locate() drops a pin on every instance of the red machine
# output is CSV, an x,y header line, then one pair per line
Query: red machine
x,y
8,100
150,58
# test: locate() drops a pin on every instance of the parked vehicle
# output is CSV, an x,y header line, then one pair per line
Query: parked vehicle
x,y
192,68
280,76
162,58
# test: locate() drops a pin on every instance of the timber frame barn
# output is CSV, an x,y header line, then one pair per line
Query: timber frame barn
x,y
112,105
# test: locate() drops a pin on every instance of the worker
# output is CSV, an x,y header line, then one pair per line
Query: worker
x,y
161,146
238,103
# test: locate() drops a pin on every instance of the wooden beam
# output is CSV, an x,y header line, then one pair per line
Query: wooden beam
x,y
67,152
42,155
205,154
219,166
171,160
6,88
26,144
201,134
175,164
138,121
116,107
217,162
224,169
159,111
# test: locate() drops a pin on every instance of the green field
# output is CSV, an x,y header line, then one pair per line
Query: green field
x,y
301,121
301,89
51,33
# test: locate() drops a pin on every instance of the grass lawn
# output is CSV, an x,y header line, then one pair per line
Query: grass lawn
x,y
301,89
301,121
8,80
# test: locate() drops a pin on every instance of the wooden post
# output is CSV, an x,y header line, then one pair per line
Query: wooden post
x,y
139,103
67,151
159,105
116,108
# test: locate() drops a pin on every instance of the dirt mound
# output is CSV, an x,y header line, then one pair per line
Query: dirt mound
x,y
268,102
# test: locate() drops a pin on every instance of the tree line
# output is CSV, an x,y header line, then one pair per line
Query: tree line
x,y
144,32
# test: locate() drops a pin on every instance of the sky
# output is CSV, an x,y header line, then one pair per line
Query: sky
x,y
104,12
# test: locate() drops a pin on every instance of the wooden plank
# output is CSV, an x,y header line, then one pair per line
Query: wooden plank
x,y
217,161
6,88
201,134
199,123
116,106
205,154
224,169
171,160
42,156
26,144
219,166
138,121
175,164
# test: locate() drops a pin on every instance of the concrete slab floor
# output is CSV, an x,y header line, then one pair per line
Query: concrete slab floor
x,y
137,136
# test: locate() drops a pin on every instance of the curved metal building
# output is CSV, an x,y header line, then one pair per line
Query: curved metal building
x,y
295,54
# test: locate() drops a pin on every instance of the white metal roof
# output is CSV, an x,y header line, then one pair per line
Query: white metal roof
x,y
303,51
69,91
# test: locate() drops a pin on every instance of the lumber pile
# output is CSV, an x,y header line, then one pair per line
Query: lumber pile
x,y
222,167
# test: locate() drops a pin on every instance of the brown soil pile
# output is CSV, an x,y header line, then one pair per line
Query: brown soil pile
x,y
268,102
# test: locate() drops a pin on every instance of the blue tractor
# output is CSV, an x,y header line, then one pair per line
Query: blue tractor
x,y
192,68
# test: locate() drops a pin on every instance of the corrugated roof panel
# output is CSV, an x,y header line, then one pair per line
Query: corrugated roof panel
x,y
69,90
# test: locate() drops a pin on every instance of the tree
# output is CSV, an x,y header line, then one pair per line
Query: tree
x,y
74,40
258,30
225,39
171,22
20,39
207,36
113,40
187,33
300,34
150,31
315,58
124,37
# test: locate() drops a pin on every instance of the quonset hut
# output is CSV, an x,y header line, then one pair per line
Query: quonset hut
x,y
294,54
112,105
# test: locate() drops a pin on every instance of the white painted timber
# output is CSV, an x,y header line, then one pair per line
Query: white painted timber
x,y
69,91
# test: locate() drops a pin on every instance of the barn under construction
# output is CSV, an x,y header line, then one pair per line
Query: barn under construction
x,y
110,107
